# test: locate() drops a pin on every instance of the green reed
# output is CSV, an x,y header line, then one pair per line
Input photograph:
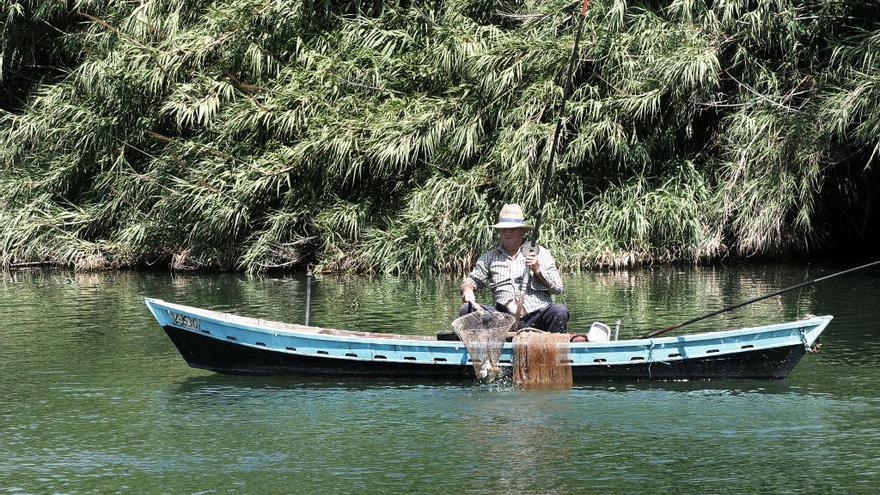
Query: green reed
x,y
371,136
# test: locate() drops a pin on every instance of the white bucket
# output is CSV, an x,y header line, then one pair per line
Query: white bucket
x,y
599,332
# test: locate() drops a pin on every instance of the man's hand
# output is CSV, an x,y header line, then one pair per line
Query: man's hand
x,y
467,293
533,263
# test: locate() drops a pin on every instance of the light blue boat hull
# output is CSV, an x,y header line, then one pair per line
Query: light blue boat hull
x,y
227,343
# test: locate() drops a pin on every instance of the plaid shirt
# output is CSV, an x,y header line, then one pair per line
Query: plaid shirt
x,y
503,274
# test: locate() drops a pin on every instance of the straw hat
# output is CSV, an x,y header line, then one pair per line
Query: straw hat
x,y
511,217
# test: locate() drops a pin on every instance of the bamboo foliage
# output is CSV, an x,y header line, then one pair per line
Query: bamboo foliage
x,y
246,134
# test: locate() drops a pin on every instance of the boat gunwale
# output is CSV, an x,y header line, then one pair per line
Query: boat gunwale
x,y
312,332
466,362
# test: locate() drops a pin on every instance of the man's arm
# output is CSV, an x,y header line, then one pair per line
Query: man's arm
x,y
544,269
476,279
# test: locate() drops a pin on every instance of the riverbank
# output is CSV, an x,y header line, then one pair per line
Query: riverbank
x,y
622,262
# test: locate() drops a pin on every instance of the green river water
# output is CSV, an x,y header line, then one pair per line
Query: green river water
x,y
95,399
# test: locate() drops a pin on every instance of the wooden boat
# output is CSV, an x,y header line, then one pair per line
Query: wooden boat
x,y
227,343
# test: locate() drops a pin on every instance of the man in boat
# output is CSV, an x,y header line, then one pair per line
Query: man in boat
x,y
503,268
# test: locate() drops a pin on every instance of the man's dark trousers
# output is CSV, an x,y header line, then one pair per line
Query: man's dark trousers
x,y
551,318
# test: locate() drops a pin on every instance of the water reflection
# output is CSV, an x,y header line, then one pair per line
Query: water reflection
x,y
643,299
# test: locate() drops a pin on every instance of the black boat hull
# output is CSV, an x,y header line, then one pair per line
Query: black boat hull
x,y
205,352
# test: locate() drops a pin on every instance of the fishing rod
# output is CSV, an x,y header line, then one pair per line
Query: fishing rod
x,y
548,170
760,298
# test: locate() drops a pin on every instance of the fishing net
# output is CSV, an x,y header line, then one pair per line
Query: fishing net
x,y
483,334
541,360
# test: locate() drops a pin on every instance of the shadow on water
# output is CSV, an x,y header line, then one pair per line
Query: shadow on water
x,y
709,387
218,381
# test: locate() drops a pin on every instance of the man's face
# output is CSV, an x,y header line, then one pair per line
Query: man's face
x,y
511,239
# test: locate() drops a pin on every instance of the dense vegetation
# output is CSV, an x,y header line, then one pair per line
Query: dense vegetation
x,y
368,135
